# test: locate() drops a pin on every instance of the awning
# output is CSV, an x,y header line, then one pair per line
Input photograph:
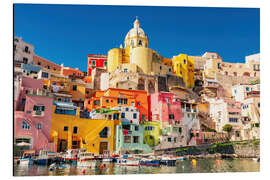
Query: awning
x,y
211,80
67,105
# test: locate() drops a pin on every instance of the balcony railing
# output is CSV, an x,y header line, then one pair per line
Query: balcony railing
x,y
38,113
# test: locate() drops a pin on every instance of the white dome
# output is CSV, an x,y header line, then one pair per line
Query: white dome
x,y
136,30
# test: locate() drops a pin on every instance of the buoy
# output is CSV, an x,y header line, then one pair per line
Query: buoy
x,y
83,171
217,161
194,162
104,165
101,167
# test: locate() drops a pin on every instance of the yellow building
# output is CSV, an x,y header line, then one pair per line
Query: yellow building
x,y
183,66
69,131
136,54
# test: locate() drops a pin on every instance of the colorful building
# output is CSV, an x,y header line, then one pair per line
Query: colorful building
x,y
32,116
151,133
69,131
165,108
115,97
96,61
68,71
183,66
46,64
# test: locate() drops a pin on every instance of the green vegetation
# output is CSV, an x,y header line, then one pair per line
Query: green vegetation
x,y
257,81
181,149
227,128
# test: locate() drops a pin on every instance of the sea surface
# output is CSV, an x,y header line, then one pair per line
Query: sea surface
x,y
186,166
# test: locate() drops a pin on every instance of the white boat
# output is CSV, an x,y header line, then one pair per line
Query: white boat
x,y
127,161
71,155
86,159
27,158
45,157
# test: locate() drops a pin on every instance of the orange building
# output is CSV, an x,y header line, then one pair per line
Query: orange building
x,y
46,64
68,71
113,97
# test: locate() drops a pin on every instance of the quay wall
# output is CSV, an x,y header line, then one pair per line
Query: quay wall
x,y
242,149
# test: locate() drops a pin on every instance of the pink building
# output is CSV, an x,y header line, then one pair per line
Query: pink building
x,y
166,108
32,116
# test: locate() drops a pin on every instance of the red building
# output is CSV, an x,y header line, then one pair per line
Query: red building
x,y
99,61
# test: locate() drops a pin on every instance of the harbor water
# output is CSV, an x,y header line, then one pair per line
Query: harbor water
x,y
185,166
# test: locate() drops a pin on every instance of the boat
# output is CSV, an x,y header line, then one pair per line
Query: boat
x,y
86,159
180,158
106,157
27,158
149,162
71,156
56,166
127,160
46,157
256,159
168,160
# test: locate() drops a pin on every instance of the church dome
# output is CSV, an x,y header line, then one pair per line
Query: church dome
x,y
135,33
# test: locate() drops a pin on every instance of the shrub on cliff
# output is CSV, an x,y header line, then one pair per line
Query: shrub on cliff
x,y
227,128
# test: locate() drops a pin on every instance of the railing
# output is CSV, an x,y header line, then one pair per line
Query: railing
x,y
38,113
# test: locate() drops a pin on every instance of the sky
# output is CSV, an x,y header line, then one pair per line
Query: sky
x,y
68,33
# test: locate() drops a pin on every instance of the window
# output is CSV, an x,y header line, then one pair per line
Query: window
x,y
138,103
39,108
170,70
143,117
175,139
125,101
66,99
125,70
48,67
247,89
134,115
184,61
127,139
25,125
136,128
39,63
171,116
126,127
140,42
126,109
104,133
26,49
38,125
44,75
197,134
149,128
65,128
107,100
180,130
97,102
27,91
119,101
258,105
169,139
235,91
135,139
25,60
75,130
116,116
105,63
160,67
234,120
59,99
94,63
74,87
132,43
122,115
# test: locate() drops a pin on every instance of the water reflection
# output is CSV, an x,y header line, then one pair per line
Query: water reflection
x,y
186,166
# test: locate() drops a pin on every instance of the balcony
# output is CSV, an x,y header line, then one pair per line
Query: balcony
x,y
38,113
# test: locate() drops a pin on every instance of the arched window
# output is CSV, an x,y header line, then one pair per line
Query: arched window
x,y
235,73
255,74
140,42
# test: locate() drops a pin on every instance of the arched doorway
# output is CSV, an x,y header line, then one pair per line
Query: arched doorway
x,y
141,84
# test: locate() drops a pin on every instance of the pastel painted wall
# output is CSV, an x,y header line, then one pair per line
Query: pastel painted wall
x,y
87,131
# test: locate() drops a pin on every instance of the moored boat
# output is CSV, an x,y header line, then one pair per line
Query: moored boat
x,y
27,158
149,162
46,157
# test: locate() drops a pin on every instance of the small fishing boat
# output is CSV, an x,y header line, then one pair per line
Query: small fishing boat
x,y
149,162
71,156
168,160
106,157
86,159
46,157
180,158
27,158
56,166
127,160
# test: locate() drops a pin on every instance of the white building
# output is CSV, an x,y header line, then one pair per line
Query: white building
x,y
23,52
128,113
239,91
104,81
